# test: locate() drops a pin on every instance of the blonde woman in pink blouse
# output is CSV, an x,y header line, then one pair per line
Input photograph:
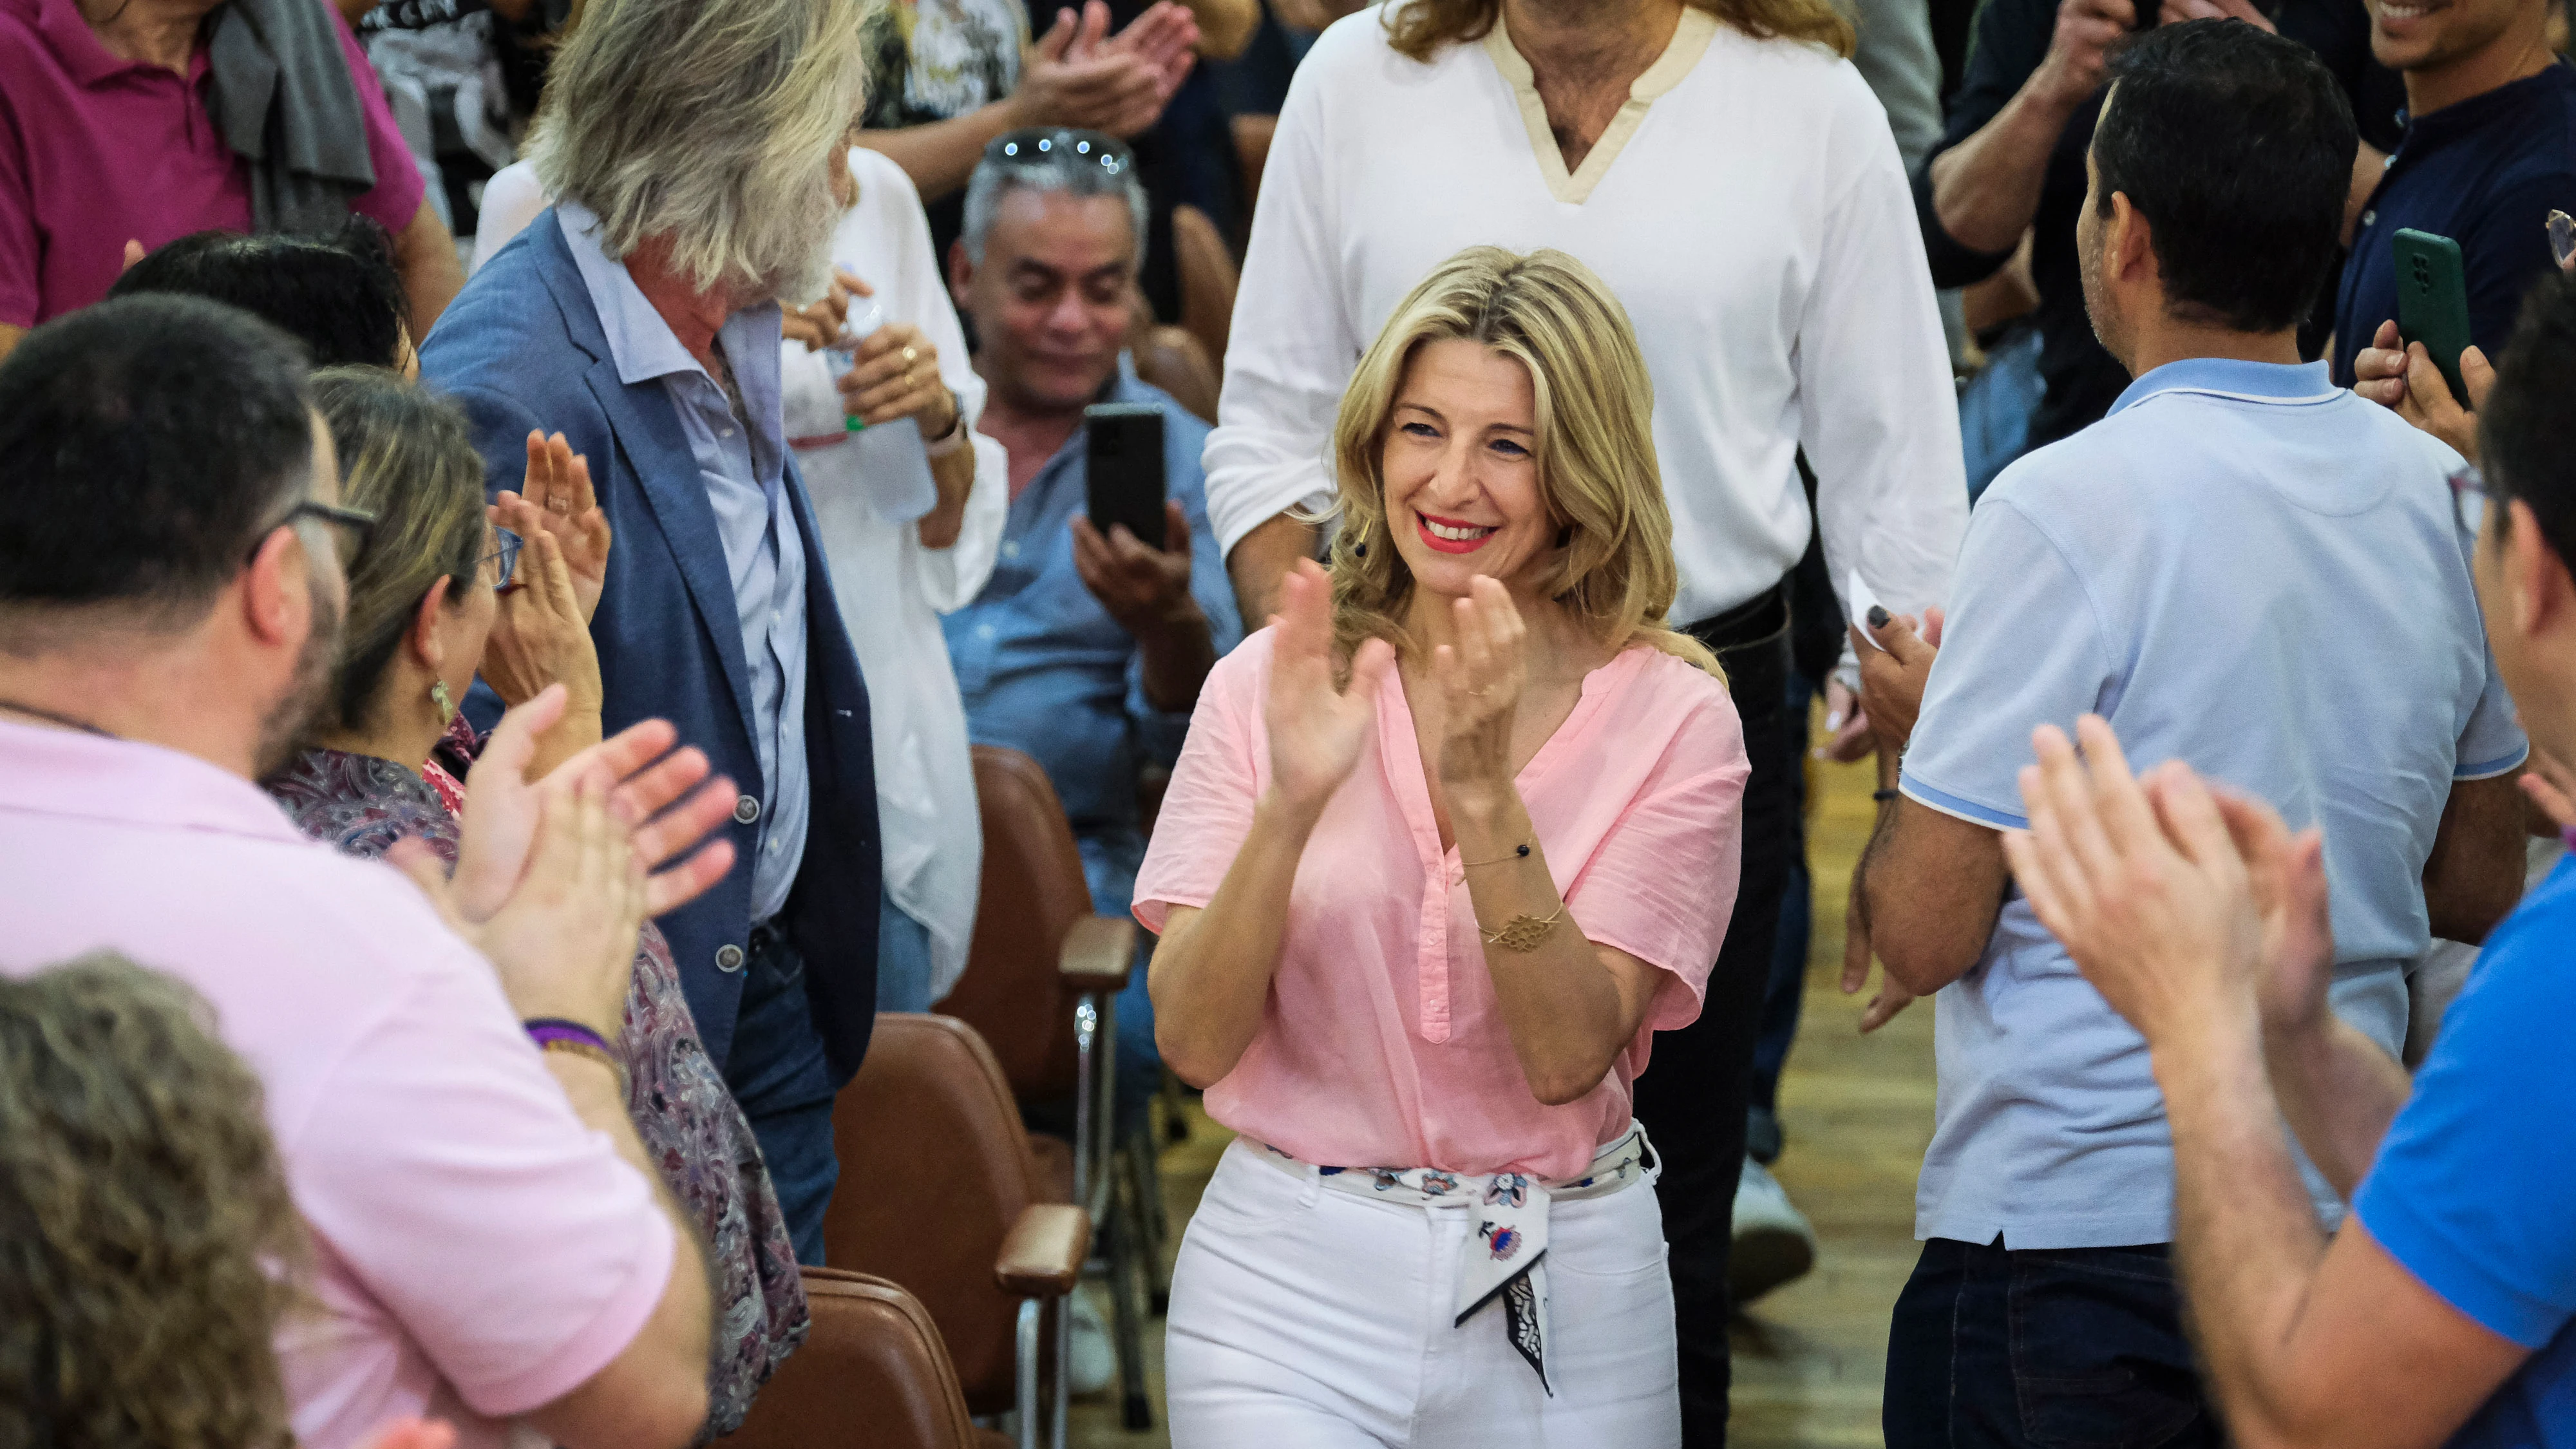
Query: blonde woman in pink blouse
x,y
1450,840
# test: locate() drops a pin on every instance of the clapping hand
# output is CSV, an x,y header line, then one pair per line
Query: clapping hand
x,y
1317,730
1073,79
2144,885
564,940
2175,12
661,796
1481,676
1164,38
541,635
563,505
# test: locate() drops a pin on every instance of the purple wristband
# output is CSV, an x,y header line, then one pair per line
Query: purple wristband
x,y
544,1029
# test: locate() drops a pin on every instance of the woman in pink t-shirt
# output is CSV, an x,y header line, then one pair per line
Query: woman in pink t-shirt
x,y
1442,852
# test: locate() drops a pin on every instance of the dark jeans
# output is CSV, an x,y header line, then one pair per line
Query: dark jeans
x,y
2043,1348
1692,1095
1783,994
778,1074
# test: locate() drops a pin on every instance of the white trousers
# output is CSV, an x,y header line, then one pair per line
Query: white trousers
x,y
1303,1317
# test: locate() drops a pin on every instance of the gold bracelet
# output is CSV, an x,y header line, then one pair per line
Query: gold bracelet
x,y
1522,933
1519,852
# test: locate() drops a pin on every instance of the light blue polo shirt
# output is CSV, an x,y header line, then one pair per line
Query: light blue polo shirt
x,y
2243,567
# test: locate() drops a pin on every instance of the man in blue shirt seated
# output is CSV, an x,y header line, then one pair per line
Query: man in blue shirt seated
x,y
2489,152
2440,1313
1084,651
2242,567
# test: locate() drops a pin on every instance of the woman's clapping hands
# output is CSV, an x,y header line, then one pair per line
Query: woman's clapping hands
x,y
563,505
1481,676
1316,729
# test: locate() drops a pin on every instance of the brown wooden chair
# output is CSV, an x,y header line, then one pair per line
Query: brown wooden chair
x,y
1209,277
1041,984
941,1194
872,1372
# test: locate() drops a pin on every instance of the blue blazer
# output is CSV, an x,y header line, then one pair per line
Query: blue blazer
x,y
521,348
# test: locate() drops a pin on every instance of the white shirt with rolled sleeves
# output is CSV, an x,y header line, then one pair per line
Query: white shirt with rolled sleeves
x,y
1747,207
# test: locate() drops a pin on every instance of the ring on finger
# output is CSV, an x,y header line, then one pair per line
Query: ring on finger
x,y
911,355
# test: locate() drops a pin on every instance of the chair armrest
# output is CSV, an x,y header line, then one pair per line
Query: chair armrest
x,y
1043,1255
1099,953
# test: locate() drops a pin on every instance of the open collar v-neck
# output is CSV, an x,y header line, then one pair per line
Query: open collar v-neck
x,y
1689,43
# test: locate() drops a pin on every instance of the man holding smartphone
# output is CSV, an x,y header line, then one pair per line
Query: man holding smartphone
x,y
1086,649
2489,152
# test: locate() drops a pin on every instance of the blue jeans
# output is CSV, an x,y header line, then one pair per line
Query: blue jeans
x,y
903,959
778,1074
1787,989
2046,1348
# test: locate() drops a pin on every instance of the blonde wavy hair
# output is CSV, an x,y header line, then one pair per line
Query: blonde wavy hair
x,y
1594,450
714,121
1420,29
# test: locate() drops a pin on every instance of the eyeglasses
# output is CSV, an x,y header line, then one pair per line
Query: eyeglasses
x,y
1034,145
351,528
507,556
2469,498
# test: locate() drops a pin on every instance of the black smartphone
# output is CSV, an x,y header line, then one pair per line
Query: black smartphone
x,y
1123,468
2433,301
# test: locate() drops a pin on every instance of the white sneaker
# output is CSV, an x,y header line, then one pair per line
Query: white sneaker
x,y
1091,1361
1774,1243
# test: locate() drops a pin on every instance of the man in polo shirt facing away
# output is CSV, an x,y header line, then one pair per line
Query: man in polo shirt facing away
x,y
2244,568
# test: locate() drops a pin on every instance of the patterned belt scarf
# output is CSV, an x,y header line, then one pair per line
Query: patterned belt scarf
x,y
1505,1257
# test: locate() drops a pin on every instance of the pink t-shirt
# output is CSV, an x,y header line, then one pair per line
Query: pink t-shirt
x,y
1381,1044
478,1251
96,151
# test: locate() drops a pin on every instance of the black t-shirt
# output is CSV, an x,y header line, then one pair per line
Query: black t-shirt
x,y
2011,39
2485,172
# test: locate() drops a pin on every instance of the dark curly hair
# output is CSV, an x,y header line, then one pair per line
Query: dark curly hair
x,y
147,1243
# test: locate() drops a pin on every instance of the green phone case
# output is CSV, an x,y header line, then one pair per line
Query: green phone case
x,y
2433,301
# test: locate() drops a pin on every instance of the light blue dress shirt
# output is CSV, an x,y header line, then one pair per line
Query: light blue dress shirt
x,y
742,460
1046,671
2247,569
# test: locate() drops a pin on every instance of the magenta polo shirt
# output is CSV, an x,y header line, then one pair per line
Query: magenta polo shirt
x,y
96,151
478,1252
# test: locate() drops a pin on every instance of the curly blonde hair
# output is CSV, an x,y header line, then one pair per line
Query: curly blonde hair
x,y
1420,29
1594,447
147,1242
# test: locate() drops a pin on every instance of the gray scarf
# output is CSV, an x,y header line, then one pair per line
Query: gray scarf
x,y
282,96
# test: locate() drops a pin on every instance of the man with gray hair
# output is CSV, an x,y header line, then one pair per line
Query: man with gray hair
x,y
689,147
1085,650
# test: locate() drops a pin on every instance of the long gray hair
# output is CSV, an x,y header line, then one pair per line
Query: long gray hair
x,y
713,121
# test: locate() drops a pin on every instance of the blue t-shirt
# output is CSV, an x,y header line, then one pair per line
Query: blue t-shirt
x,y
2485,172
2475,1188
2247,569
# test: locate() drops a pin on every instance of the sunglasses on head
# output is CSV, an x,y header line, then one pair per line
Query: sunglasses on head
x,y
1031,145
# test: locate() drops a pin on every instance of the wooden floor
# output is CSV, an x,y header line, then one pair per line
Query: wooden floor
x,y
1857,1112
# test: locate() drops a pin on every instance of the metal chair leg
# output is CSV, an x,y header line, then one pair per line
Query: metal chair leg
x,y
1127,1297
1062,1308
1087,1072
1026,1410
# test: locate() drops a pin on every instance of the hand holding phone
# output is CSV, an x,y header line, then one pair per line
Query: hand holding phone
x,y
1123,469
2433,301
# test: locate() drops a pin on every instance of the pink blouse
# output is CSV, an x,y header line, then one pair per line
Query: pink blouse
x,y
1381,1044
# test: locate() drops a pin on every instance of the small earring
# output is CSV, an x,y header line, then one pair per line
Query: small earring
x,y
1361,550
438,697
